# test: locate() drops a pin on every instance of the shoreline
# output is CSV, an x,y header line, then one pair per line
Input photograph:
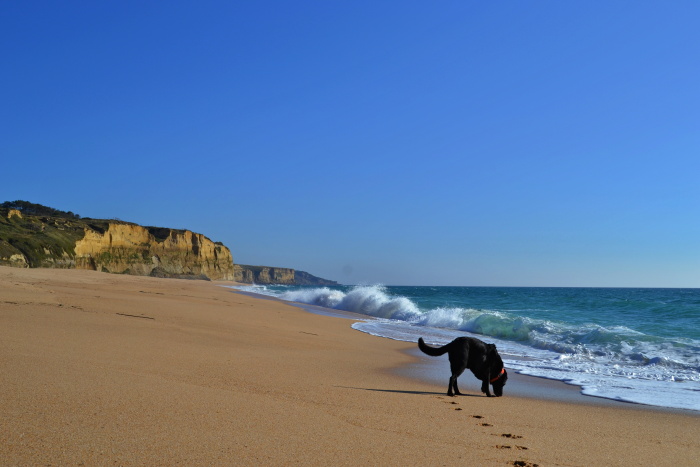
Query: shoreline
x,y
436,371
219,378
526,386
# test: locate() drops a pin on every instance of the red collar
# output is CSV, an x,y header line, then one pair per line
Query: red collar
x,y
503,370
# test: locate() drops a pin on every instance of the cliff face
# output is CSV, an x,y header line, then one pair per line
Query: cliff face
x,y
271,275
133,249
44,237
262,275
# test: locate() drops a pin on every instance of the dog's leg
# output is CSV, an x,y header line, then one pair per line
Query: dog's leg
x,y
485,385
453,381
458,363
456,372
454,384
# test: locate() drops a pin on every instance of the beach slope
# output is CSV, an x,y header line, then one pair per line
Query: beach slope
x,y
100,369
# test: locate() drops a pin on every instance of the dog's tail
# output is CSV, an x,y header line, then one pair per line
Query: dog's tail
x,y
432,351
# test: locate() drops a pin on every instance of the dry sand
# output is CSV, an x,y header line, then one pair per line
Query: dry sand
x,y
100,369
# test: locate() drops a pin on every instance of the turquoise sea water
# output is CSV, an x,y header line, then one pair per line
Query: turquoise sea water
x,y
635,345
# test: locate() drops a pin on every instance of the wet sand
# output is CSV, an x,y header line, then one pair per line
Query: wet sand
x,y
100,369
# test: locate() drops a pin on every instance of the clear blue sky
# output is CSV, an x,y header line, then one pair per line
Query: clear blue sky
x,y
462,142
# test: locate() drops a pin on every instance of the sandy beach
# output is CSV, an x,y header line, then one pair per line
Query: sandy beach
x,y
100,369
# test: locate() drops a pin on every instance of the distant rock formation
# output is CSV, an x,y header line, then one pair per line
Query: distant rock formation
x,y
272,275
32,235
304,278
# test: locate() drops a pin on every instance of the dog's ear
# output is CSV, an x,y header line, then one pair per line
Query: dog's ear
x,y
491,348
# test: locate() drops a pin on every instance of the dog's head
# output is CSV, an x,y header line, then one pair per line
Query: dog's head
x,y
498,371
498,382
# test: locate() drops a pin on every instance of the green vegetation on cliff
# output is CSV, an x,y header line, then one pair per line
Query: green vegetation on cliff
x,y
39,236
32,209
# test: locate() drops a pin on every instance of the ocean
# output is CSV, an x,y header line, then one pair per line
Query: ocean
x,y
626,344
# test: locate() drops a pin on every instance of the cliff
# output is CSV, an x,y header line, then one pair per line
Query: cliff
x,y
272,275
133,249
36,236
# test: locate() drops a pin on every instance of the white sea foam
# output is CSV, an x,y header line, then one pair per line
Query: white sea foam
x,y
324,297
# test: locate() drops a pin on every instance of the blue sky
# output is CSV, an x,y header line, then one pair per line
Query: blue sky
x,y
541,143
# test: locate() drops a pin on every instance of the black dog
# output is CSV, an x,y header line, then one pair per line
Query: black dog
x,y
481,358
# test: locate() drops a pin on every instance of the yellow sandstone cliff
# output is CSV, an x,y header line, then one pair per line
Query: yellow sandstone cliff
x,y
133,249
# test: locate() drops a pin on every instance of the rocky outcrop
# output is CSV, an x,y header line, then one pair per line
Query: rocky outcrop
x,y
271,275
243,274
133,249
17,260
263,275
